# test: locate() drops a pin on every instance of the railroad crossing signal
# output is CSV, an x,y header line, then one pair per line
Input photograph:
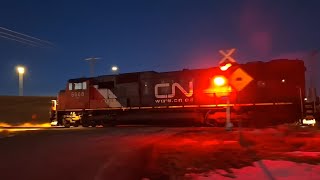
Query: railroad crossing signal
x,y
227,57
226,62
239,79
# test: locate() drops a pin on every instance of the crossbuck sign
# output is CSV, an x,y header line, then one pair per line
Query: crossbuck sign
x,y
227,56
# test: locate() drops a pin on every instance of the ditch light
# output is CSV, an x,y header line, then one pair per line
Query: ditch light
x,y
309,122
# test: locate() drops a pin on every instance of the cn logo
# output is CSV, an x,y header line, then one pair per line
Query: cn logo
x,y
173,90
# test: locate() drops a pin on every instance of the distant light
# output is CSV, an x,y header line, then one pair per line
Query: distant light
x,y
219,81
305,99
309,121
283,80
20,70
114,68
54,123
225,67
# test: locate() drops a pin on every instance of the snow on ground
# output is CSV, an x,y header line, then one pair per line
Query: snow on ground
x,y
279,170
198,151
304,154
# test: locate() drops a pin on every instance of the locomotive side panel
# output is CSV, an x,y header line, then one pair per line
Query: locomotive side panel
x,y
274,81
277,82
102,93
127,89
147,88
115,91
171,89
255,91
288,77
61,105
128,94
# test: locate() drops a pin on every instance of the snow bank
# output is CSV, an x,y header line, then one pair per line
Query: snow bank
x,y
280,170
303,153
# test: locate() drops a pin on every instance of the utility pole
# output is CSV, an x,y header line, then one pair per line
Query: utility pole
x,y
92,61
313,76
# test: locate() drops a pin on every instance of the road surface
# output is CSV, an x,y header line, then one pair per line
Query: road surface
x,y
142,152
80,153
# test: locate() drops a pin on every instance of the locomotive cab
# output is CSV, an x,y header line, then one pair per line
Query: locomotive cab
x,y
67,110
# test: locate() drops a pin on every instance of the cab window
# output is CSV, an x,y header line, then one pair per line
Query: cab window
x,y
84,85
77,86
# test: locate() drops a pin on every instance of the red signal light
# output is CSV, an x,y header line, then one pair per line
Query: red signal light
x,y
219,81
219,86
225,67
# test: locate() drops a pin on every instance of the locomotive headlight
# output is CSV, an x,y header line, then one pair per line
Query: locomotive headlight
x,y
309,121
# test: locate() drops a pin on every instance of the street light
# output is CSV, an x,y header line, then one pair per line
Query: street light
x,y
114,69
21,71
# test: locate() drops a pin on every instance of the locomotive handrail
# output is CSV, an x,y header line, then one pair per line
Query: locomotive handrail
x,y
183,107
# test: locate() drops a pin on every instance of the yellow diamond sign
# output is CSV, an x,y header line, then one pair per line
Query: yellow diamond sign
x,y
239,79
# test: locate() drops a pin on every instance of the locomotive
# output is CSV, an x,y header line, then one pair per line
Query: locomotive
x,y
256,92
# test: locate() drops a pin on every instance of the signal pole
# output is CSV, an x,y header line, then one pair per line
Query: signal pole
x,y
224,64
313,74
92,61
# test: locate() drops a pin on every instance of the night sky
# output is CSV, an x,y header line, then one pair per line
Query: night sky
x,y
146,35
